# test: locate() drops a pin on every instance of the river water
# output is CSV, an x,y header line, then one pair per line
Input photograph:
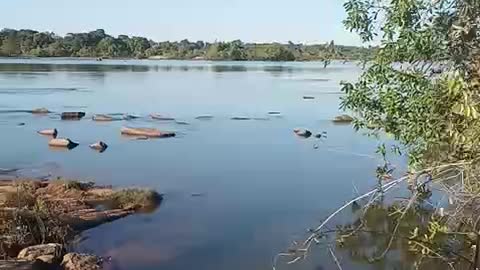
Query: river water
x,y
235,192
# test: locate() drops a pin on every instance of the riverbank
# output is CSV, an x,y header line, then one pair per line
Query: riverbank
x,y
35,212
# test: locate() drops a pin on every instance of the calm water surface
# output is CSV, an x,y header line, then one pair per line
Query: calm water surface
x,y
261,187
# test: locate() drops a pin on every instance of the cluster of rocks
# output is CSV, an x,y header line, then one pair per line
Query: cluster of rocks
x,y
153,116
52,256
305,133
139,133
68,143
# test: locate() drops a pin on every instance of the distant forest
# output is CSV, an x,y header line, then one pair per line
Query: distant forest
x,y
31,43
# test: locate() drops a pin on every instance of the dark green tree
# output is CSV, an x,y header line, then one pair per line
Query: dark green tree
x,y
10,46
279,53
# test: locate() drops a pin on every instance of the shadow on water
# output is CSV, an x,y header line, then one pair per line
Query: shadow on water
x,y
418,242
277,70
229,68
400,232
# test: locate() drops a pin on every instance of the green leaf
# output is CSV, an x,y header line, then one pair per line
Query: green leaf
x,y
474,113
458,108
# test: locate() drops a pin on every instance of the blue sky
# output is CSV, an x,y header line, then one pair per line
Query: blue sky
x,y
309,21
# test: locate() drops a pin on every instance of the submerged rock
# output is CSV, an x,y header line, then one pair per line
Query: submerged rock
x,y
204,117
323,134
302,132
148,132
77,261
62,142
240,118
40,111
130,117
99,146
32,253
72,115
49,132
161,117
185,123
343,119
103,118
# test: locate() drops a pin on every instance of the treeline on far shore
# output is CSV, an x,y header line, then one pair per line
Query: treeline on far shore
x,y
25,42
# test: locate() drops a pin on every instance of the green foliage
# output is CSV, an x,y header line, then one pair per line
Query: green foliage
x,y
99,44
135,199
422,85
72,184
279,53
10,46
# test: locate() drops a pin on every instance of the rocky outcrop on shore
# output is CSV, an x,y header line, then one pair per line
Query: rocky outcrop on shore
x,y
37,211
51,257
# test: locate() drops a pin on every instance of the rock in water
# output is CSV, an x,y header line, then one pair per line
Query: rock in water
x,y
77,261
302,132
130,117
308,97
62,142
33,252
102,118
240,118
185,123
148,132
99,146
40,111
72,115
161,117
204,117
323,134
343,119
49,132
274,113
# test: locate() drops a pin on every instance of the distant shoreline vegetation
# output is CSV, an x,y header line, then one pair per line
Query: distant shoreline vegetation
x,y
98,44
